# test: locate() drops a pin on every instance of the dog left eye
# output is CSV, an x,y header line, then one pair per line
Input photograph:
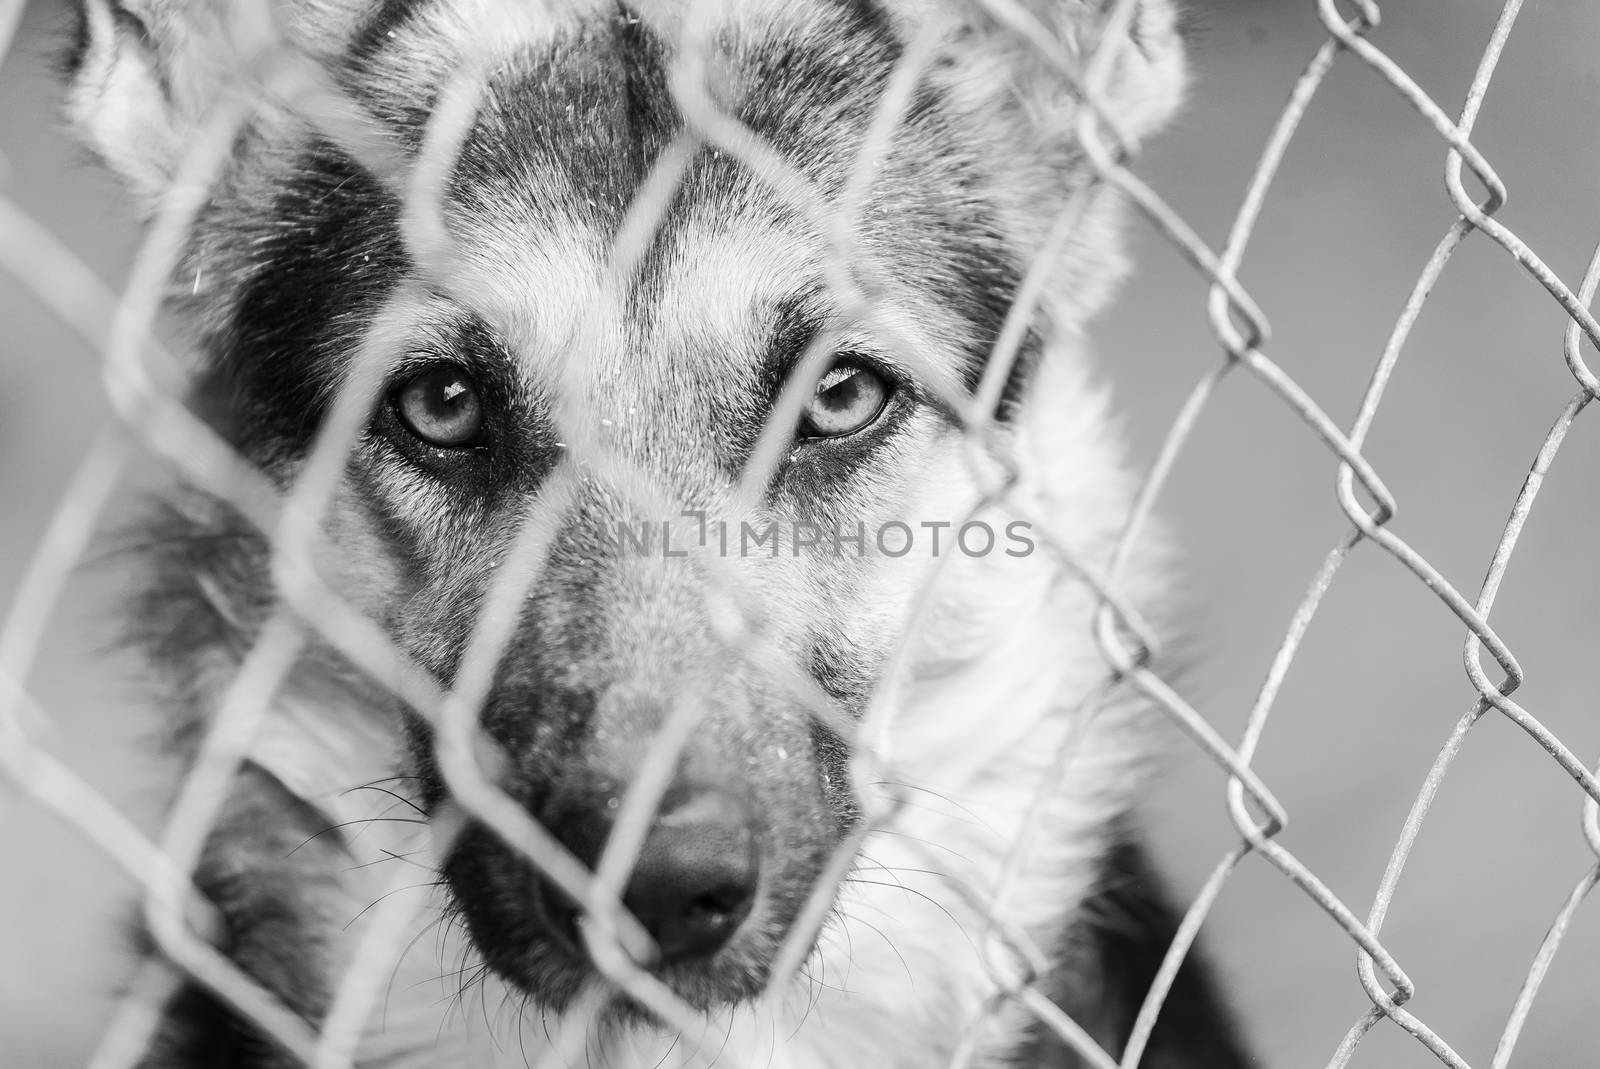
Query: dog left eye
x,y
848,398
442,406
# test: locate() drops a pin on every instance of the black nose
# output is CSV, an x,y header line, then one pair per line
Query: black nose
x,y
695,878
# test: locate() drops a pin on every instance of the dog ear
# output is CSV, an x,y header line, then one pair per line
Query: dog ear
x,y
1147,72
144,74
1016,54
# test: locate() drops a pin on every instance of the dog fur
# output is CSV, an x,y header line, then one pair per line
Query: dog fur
x,y
602,382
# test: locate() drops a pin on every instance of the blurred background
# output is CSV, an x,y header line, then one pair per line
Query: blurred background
x,y
1379,683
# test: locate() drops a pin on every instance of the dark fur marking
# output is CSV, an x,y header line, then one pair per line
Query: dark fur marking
x,y
833,764
788,78
841,675
869,15
75,48
565,111
384,25
324,256
70,59
795,323
1111,958
268,901
984,285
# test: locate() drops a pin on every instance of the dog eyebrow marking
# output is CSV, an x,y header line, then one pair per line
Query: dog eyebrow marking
x,y
797,320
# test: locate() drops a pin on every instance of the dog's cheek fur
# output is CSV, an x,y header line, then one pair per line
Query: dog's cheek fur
x,y
272,879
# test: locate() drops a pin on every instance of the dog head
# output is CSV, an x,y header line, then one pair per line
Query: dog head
x,y
612,396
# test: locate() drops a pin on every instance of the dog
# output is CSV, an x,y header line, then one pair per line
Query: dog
x,y
849,727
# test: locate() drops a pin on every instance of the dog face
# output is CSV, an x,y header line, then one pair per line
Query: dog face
x,y
535,380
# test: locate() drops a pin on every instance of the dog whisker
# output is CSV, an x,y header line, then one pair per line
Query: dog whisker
x,y
351,824
392,794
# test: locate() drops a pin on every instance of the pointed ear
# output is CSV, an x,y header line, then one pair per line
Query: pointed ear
x,y
1017,54
118,99
143,74
1147,73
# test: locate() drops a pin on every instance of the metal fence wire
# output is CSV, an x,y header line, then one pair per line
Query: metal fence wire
x,y
121,327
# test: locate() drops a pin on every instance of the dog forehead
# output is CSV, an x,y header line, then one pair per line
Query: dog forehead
x,y
421,34
718,289
579,100
566,135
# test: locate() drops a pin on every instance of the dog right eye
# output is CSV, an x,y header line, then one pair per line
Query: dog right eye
x,y
848,398
442,406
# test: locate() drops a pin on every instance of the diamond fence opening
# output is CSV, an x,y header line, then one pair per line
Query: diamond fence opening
x,y
152,407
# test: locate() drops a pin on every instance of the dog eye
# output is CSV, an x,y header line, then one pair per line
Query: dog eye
x,y
441,406
848,398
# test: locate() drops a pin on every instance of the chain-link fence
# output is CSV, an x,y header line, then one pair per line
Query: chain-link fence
x,y
152,407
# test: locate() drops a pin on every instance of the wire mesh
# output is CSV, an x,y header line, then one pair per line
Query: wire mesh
x,y
122,327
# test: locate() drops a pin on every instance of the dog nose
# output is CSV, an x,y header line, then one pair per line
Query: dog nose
x,y
695,878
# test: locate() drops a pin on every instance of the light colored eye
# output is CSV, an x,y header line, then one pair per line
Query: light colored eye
x,y
848,398
441,406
